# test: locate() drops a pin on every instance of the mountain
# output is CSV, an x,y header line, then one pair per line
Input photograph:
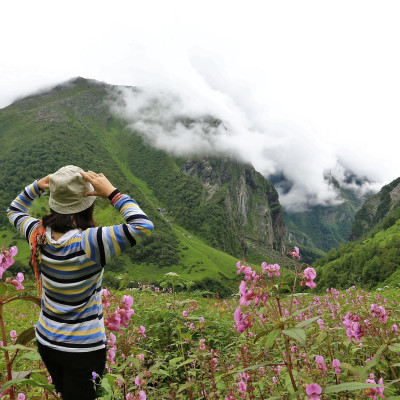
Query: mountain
x,y
208,212
372,258
321,228
380,210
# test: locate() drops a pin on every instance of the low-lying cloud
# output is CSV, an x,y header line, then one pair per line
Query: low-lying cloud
x,y
182,124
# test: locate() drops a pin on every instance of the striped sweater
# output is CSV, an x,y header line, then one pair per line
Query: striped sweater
x,y
71,316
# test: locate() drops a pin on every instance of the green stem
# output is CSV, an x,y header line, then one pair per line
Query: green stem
x,y
6,355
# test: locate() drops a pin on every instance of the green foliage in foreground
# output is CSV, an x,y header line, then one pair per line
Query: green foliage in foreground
x,y
186,346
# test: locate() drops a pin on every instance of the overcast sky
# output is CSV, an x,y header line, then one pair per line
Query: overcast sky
x,y
303,87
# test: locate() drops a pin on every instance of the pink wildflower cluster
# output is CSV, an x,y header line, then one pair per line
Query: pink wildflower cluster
x,y
17,281
7,259
336,366
295,253
378,311
373,393
271,269
308,278
112,349
121,315
353,327
320,363
242,320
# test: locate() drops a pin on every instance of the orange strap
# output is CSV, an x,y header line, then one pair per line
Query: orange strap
x,y
37,240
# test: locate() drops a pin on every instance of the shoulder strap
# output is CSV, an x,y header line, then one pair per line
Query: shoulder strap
x,y
37,240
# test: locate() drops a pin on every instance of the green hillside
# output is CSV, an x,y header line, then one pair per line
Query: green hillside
x,y
200,240
373,259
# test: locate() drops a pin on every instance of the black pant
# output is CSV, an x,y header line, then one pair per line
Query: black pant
x,y
72,372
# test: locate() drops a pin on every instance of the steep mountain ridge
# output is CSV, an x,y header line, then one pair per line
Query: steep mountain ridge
x,y
382,208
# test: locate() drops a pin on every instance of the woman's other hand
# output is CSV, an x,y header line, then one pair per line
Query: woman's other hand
x,y
102,186
43,183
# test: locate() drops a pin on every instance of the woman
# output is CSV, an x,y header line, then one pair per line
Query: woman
x,y
71,253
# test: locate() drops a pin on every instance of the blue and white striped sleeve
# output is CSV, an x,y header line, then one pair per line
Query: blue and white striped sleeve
x,y
103,243
18,211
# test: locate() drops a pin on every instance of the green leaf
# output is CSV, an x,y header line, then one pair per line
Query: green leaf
x,y
270,340
32,356
296,333
14,347
185,386
375,358
306,322
31,382
349,386
259,336
395,347
188,361
175,361
26,336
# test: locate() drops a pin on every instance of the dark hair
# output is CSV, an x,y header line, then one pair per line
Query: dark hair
x,y
63,223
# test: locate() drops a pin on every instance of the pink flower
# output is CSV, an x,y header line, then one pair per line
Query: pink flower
x,y
309,276
128,301
241,320
320,361
142,330
17,282
138,382
242,387
336,366
201,344
184,314
295,253
21,396
374,392
129,396
271,269
6,259
313,390
13,335
245,294
142,395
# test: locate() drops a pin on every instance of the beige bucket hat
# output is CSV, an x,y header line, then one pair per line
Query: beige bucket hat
x,y
67,188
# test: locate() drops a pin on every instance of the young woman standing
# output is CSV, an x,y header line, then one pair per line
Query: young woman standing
x,y
68,255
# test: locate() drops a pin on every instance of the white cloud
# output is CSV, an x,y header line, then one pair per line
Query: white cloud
x,y
301,87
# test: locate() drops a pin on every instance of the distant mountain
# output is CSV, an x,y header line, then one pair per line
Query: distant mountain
x,y
379,211
372,258
321,228
207,212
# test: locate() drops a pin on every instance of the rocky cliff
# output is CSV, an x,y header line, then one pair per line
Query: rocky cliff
x,y
380,209
252,203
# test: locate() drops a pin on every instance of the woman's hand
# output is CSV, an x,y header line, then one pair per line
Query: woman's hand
x,y
43,183
102,186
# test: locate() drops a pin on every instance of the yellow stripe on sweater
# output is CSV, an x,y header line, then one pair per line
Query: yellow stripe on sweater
x,y
69,333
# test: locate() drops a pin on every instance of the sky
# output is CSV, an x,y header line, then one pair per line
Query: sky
x,y
304,89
